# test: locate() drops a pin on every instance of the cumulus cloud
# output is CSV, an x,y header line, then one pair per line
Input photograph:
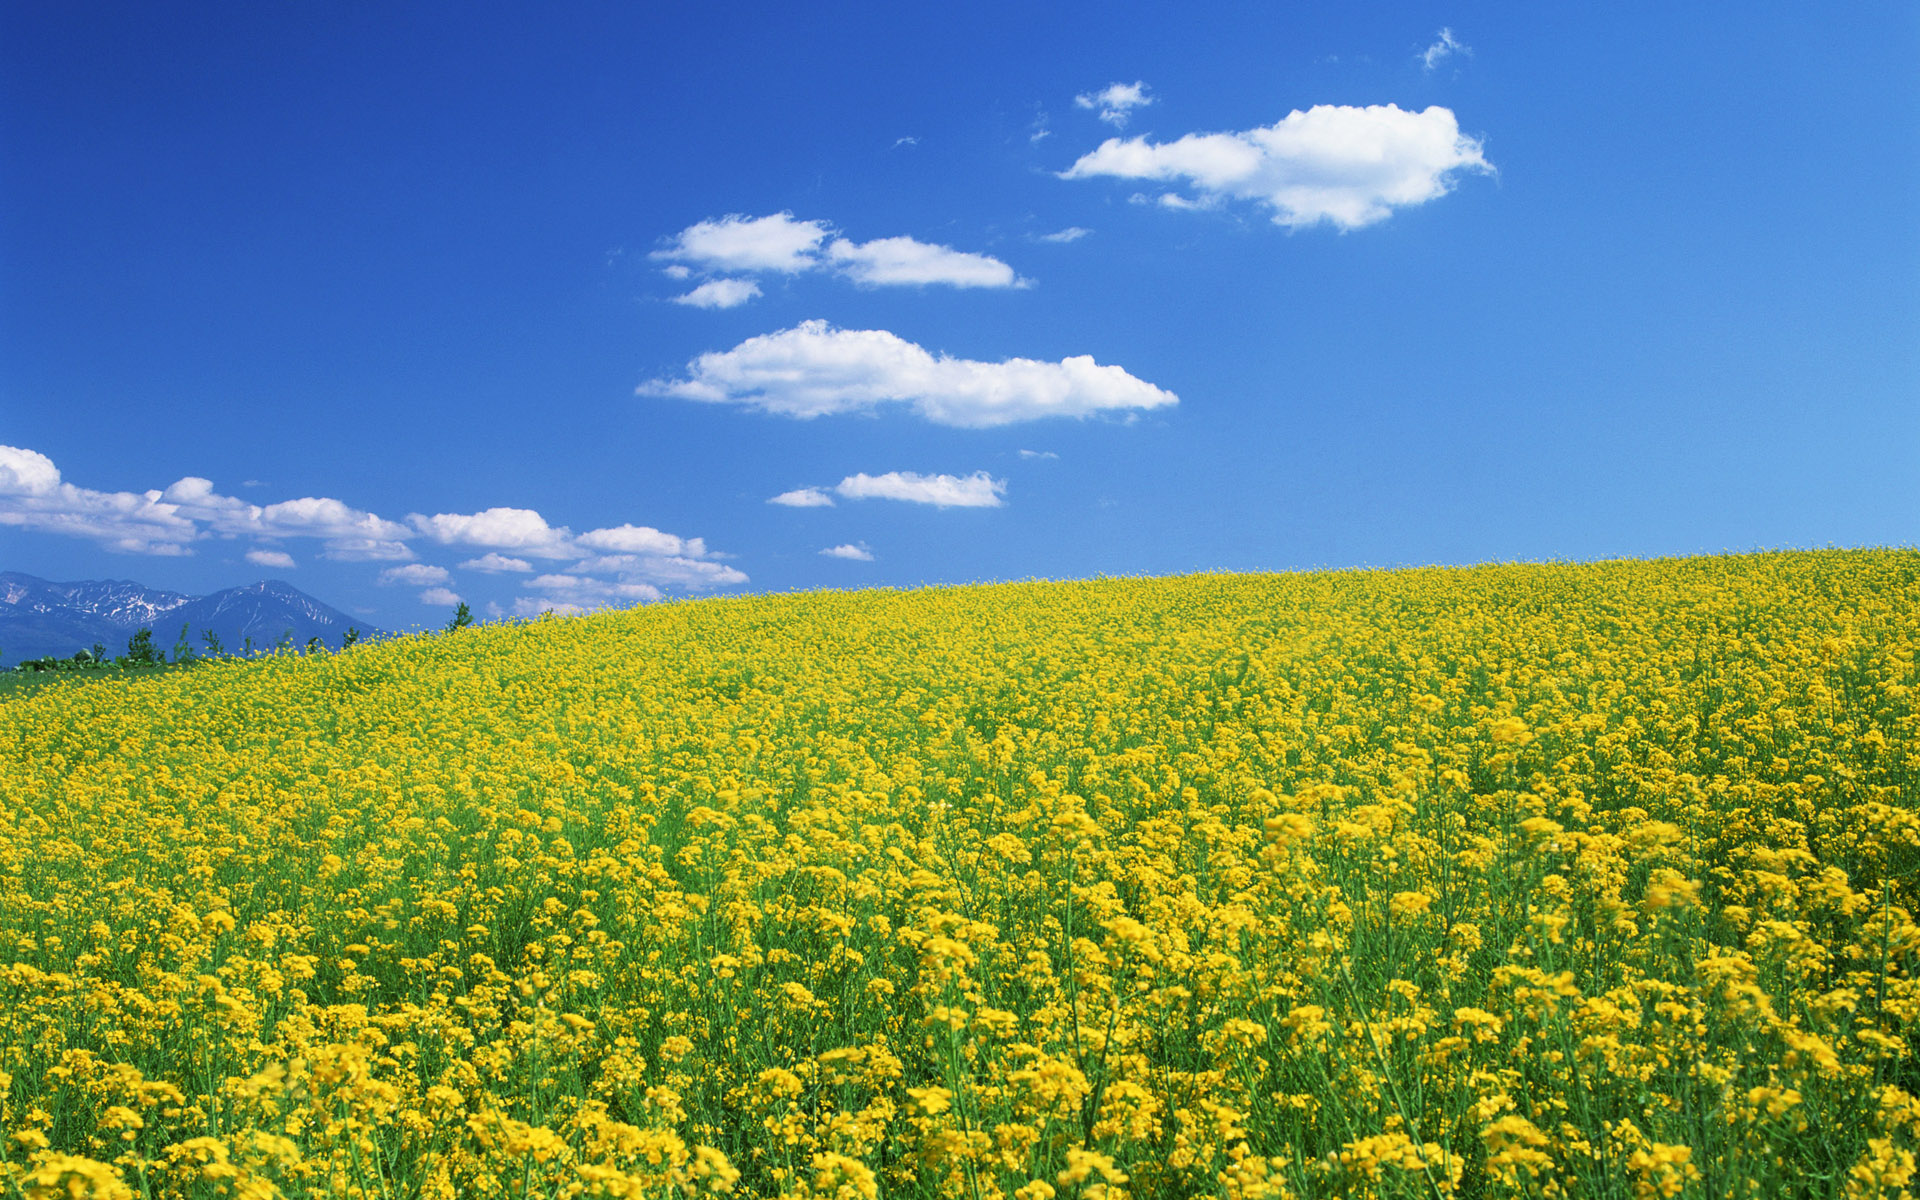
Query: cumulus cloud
x,y
642,539
978,490
1345,165
720,293
1071,233
581,593
902,260
858,553
495,563
814,370
1115,102
1444,46
519,529
805,497
415,575
34,496
782,243
439,596
739,243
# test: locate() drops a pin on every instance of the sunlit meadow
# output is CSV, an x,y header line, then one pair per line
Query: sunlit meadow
x,y
1567,880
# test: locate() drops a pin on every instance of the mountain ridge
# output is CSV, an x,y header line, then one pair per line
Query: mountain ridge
x,y
40,617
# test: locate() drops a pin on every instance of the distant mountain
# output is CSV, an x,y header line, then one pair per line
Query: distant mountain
x,y
38,618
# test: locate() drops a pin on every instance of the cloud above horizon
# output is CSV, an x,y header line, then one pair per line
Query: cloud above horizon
x,y
978,490
815,370
1345,165
1444,46
1115,103
806,497
720,293
169,521
780,243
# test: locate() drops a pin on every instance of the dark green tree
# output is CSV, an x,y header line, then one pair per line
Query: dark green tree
x,y
182,651
212,640
140,649
462,617
352,636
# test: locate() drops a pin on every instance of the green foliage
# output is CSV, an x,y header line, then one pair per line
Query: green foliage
x,y
140,648
462,617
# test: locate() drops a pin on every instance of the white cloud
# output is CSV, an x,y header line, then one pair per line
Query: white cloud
x,y
904,141
27,473
578,593
784,244
1038,454
902,260
692,573
1347,165
806,497
319,516
496,563
415,574
367,550
1115,102
720,293
858,553
641,539
1071,233
738,243
1445,46
814,370
677,271
519,529
33,496
978,490
439,596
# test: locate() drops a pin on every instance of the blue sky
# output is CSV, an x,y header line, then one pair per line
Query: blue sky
x,y
593,303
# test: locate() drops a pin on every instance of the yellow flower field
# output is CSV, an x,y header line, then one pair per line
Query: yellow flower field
x,y
1562,881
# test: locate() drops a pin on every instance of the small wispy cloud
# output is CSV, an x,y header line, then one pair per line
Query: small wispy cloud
x,y
1115,102
720,293
1071,233
415,575
1444,46
806,497
495,563
271,558
439,597
1039,454
904,141
854,553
